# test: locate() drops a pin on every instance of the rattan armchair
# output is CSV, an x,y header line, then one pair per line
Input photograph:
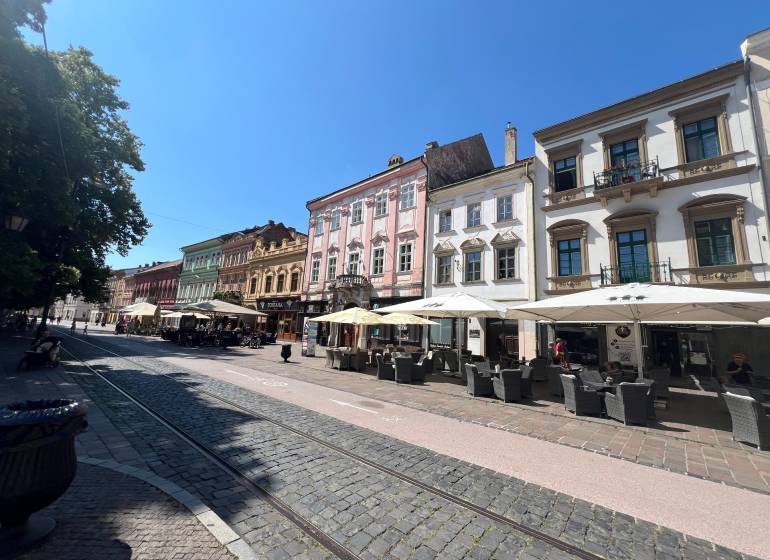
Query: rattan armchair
x,y
478,385
329,358
385,370
579,399
554,380
629,403
591,378
403,369
358,361
662,378
750,423
507,385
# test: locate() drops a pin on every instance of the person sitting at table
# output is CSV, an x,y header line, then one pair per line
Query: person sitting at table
x,y
739,370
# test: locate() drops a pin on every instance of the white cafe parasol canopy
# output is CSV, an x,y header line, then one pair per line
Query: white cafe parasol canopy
x,y
179,314
405,319
142,309
218,306
648,303
352,316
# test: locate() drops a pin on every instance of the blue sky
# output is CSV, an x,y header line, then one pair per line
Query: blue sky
x,y
248,109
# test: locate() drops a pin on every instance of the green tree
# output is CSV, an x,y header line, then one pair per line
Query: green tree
x,y
66,161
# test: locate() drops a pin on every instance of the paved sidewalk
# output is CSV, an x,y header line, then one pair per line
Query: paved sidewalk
x,y
105,514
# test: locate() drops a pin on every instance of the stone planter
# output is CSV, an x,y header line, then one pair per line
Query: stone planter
x,y
37,465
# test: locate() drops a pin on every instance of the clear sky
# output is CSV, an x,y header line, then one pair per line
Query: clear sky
x,y
248,109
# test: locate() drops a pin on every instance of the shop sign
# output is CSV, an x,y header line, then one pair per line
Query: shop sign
x,y
620,344
309,336
276,305
474,333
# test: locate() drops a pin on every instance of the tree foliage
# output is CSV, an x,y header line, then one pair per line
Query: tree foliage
x,y
83,195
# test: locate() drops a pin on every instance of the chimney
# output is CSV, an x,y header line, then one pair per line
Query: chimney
x,y
271,222
430,145
511,155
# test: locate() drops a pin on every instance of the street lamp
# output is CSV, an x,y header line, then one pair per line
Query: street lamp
x,y
16,223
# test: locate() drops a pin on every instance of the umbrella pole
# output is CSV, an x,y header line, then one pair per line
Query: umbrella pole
x,y
639,349
460,345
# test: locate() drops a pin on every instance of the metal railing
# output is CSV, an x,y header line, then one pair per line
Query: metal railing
x,y
349,281
626,174
650,272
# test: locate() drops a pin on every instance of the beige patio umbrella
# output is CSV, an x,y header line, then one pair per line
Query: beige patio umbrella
x,y
142,309
400,318
353,316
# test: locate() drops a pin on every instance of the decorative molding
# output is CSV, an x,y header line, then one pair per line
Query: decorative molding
x,y
472,244
505,238
379,237
444,248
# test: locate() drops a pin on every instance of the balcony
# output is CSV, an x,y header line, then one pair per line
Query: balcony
x,y
645,272
349,281
627,174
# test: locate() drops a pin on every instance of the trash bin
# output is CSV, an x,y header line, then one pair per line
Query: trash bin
x,y
286,351
37,465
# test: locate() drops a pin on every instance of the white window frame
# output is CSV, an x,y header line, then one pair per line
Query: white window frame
x,y
357,212
331,271
336,218
402,253
348,268
381,268
319,225
381,205
438,269
443,226
515,262
315,269
406,197
501,203
475,208
481,266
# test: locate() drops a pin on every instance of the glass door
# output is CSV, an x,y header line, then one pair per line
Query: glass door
x,y
633,261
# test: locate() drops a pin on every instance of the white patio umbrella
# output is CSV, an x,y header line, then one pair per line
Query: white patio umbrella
x,y
219,306
142,309
351,316
403,319
648,303
179,314
457,305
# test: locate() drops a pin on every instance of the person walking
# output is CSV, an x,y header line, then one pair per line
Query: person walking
x,y
85,328
73,326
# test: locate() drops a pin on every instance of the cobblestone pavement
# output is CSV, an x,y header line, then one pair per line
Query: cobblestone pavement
x,y
705,451
105,515
371,513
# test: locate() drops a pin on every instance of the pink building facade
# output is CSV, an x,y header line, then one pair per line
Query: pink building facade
x,y
366,241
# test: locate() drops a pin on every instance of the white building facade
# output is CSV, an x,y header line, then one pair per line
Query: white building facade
x,y
661,188
479,241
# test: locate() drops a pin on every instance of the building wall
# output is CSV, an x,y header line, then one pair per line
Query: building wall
x,y
398,226
735,174
200,266
489,237
158,284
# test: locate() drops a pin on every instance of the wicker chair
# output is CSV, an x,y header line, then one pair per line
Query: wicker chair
x,y
419,370
538,366
450,358
554,380
629,403
403,369
373,361
329,357
650,395
591,378
437,361
750,423
478,385
507,385
662,378
385,370
526,382
358,361
579,399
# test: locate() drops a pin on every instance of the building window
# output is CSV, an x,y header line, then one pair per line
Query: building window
x,y
505,208
315,268
280,285
294,281
473,266
445,220
405,257
714,242
357,214
701,139
633,258
473,215
444,269
319,225
353,261
406,196
380,204
378,261
253,285
569,257
331,268
268,284
506,263
335,220
565,174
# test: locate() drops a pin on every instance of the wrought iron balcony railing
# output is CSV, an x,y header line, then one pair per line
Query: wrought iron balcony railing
x,y
349,281
630,173
650,272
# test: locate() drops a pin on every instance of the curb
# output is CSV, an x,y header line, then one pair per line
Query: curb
x,y
221,531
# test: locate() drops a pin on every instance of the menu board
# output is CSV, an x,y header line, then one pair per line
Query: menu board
x,y
620,344
309,337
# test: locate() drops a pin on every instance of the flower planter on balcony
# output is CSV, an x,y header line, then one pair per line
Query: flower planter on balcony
x,y
37,465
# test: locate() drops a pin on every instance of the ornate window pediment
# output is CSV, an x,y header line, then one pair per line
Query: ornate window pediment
x,y
379,237
333,248
444,248
407,232
505,238
472,244
355,243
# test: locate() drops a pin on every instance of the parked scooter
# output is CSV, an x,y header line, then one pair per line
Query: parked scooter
x,y
45,352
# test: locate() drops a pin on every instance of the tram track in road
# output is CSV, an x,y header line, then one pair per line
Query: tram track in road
x,y
304,524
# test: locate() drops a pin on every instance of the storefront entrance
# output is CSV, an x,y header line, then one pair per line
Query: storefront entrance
x,y
282,317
